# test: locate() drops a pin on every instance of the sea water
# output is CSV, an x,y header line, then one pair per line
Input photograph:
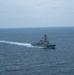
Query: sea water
x,y
19,57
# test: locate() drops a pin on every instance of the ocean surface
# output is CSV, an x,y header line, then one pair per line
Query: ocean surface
x,y
19,57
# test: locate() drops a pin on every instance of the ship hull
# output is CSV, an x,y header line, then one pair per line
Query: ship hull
x,y
51,46
44,46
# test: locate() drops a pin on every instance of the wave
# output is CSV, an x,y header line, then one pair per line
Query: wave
x,y
19,43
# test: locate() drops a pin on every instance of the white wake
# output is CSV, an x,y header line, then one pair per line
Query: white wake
x,y
19,43
16,43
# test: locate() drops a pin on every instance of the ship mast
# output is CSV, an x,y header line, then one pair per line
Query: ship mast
x,y
45,38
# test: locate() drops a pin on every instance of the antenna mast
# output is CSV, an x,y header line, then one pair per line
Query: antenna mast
x,y
45,38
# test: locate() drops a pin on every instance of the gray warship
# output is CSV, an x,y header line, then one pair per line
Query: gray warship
x,y
44,43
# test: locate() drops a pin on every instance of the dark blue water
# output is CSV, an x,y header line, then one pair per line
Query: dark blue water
x,y
18,57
